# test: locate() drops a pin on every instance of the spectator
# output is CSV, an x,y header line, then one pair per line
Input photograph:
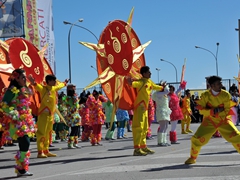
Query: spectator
x,y
233,88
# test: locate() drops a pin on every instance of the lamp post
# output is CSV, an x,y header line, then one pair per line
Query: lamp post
x,y
158,73
93,68
215,56
69,49
238,29
173,66
100,87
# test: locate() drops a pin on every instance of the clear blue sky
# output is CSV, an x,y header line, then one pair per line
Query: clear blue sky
x,y
174,27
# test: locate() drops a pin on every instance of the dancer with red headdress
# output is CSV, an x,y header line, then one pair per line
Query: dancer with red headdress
x,y
19,123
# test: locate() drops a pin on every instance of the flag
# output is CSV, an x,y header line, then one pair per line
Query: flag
x,y
183,70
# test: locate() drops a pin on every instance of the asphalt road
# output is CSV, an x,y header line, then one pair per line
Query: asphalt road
x,y
218,160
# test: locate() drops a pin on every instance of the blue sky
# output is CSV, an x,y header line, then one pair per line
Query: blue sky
x,y
173,26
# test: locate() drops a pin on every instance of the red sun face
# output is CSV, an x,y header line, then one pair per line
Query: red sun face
x,y
119,46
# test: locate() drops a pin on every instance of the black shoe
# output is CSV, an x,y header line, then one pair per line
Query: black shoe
x,y
50,145
24,174
129,130
175,142
12,144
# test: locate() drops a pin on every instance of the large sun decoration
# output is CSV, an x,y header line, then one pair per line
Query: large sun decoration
x,y
119,55
20,53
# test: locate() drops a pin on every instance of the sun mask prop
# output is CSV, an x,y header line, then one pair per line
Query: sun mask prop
x,y
119,55
20,53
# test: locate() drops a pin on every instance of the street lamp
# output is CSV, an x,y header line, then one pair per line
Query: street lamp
x,y
173,66
238,29
93,68
69,49
215,56
158,73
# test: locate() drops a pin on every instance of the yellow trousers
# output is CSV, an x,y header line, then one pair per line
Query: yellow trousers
x,y
140,127
208,128
44,131
186,120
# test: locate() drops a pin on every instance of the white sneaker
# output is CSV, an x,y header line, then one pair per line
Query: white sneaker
x,y
24,174
76,146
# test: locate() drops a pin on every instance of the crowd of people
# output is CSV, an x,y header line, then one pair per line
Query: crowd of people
x,y
70,118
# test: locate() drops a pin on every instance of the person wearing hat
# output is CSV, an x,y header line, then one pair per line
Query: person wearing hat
x,y
187,112
215,106
48,98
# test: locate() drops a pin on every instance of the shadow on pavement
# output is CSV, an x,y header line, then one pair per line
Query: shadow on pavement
x,y
51,160
225,152
180,166
11,177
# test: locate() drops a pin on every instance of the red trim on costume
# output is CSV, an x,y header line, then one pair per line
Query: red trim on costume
x,y
44,110
140,103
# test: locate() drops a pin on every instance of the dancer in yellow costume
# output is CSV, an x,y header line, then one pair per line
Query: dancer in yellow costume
x,y
215,106
144,88
187,112
48,98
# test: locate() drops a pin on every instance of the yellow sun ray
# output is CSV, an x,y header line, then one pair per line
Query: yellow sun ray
x,y
107,74
99,48
139,51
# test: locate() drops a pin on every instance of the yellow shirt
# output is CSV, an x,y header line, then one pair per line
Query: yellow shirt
x,y
48,97
186,107
144,88
209,101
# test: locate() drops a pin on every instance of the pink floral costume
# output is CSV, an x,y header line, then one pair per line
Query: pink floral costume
x,y
96,117
19,122
84,113
151,116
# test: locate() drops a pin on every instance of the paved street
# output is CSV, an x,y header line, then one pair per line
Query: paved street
x,y
218,161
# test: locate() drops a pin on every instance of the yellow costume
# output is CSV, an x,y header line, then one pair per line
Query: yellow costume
x,y
187,112
144,88
211,122
48,97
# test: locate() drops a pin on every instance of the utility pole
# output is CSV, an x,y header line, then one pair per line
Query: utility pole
x,y
238,29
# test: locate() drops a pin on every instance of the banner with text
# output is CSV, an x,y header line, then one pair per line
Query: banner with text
x,y
11,24
38,26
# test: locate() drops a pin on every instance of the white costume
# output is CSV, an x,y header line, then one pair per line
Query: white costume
x,y
163,114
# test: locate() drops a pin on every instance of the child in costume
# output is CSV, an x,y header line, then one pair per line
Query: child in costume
x,y
176,114
96,116
62,127
48,98
122,118
129,124
187,112
84,113
162,114
151,116
15,107
108,107
144,88
55,129
73,118
215,106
